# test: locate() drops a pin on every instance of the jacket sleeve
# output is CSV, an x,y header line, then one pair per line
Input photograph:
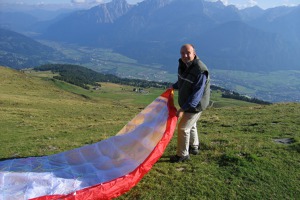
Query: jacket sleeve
x,y
196,96
175,85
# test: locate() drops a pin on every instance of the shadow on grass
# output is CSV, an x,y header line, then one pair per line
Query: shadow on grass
x,y
12,158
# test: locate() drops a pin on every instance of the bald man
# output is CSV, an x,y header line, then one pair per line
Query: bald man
x,y
193,87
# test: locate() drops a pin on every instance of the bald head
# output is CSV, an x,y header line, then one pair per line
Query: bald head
x,y
187,53
187,46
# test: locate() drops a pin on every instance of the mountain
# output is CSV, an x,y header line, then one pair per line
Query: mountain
x,y
221,13
88,26
17,21
19,51
247,48
251,13
153,30
281,20
31,21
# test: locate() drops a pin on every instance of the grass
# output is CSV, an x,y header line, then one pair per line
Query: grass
x,y
239,158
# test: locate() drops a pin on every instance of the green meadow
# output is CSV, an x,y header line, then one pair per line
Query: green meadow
x,y
248,151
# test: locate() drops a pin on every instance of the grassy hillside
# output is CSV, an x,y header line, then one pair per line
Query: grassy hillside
x,y
239,157
41,116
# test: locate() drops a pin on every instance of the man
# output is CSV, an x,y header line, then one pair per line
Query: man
x,y
193,97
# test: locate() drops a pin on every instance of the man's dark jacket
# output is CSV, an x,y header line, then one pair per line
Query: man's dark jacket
x,y
187,77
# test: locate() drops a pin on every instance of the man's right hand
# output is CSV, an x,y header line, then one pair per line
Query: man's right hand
x,y
179,113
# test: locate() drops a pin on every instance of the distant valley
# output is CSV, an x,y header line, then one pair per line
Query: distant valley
x,y
252,51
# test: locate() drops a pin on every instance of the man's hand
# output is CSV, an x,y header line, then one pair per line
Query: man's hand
x,y
179,113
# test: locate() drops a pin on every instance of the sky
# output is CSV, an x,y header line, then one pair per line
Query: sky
x,y
238,3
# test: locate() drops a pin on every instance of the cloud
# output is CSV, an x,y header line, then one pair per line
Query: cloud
x,y
78,1
96,1
252,3
240,3
87,1
225,2
246,4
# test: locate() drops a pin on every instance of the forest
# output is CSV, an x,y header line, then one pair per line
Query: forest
x,y
84,77
87,78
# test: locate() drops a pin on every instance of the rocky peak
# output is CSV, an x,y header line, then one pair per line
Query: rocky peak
x,y
154,4
109,12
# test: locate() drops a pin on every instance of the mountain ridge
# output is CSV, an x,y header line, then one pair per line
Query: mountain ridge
x,y
153,30
155,26
18,51
143,42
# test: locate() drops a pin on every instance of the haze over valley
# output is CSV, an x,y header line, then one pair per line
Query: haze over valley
x,y
252,51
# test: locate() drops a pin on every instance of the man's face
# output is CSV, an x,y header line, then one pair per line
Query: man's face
x,y
187,53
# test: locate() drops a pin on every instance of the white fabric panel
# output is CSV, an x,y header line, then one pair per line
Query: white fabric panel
x,y
83,167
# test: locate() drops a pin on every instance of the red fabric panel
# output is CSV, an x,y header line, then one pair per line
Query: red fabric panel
x,y
119,186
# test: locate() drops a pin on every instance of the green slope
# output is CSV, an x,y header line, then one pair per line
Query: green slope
x,y
239,158
37,117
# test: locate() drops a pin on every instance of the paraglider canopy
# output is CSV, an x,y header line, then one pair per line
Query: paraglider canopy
x,y
103,170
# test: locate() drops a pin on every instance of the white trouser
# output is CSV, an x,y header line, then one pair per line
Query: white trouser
x,y
187,133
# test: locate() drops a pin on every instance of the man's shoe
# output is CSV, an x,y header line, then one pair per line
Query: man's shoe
x,y
176,158
193,150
